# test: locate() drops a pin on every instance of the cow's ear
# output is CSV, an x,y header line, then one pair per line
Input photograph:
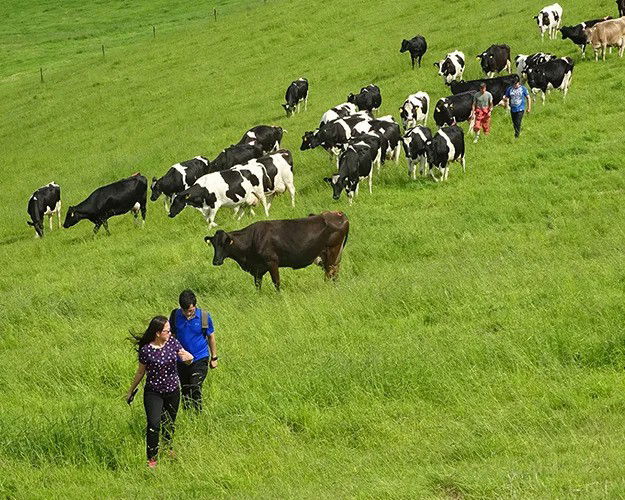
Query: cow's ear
x,y
208,238
328,180
29,223
284,106
153,179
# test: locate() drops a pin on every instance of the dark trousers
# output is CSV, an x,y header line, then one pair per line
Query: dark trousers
x,y
517,117
160,408
191,379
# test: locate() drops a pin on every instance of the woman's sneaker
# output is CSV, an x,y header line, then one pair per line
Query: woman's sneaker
x,y
152,463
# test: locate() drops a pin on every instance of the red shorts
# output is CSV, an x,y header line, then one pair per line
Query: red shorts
x,y
482,120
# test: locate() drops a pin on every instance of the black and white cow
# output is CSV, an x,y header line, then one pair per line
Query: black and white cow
x,y
452,67
389,134
237,154
226,188
447,145
495,59
524,62
372,140
454,109
332,135
549,19
267,137
417,46
355,164
415,109
295,94
496,86
577,35
415,146
117,198
555,74
340,111
45,201
620,5
178,178
369,98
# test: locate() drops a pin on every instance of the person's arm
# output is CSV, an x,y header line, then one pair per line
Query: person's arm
x,y
135,381
529,101
490,103
212,345
185,357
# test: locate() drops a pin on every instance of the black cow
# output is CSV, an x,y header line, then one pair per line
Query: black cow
x,y
417,46
265,246
446,146
122,196
620,4
266,136
454,109
45,201
237,154
494,59
415,146
576,33
295,94
368,99
555,74
355,164
496,86
178,178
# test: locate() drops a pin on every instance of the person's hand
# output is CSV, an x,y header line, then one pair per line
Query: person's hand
x,y
213,364
529,111
185,356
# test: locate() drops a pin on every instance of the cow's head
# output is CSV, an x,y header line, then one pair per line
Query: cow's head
x,y
310,140
178,202
405,45
71,218
336,183
156,190
221,242
289,109
519,59
38,225
443,112
352,98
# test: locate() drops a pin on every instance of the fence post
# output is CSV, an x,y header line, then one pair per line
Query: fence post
x,y
103,50
154,31
215,14
41,74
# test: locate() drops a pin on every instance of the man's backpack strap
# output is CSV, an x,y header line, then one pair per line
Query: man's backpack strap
x,y
172,322
204,316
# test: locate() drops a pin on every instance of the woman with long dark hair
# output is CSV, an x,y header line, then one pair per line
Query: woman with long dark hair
x,y
158,354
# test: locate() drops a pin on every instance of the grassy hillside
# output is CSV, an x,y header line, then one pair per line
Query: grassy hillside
x,y
473,346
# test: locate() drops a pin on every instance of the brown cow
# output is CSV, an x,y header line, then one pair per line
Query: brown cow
x,y
607,34
265,246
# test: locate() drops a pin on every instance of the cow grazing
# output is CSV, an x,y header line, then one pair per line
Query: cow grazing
x,y
417,47
117,198
389,134
369,98
549,19
607,34
45,201
454,109
333,135
577,33
295,94
178,178
265,246
446,146
620,4
355,164
373,141
496,86
340,111
415,109
554,74
452,67
237,154
495,59
267,137
415,146
524,62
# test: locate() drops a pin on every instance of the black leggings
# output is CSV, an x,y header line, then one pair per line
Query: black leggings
x,y
160,407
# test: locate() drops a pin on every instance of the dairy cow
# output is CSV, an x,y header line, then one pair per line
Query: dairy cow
x,y
607,34
295,94
524,62
446,146
415,109
369,98
44,201
454,109
417,46
355,164
236,154
554,74
178,178
496,86
389,134
340,111
267,137
452,67
549,19
495,59
415,142
577,33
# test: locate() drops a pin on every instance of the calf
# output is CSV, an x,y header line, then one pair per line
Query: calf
x,y
236,154
295,94
452,67
340,111
417,47
496,86
117,198
446,146
607,34
178,178
266,136
577,33
549,19
495,59
454,109
555,74
355,164
265,246
278,174
415,146
415,109
524,62
369,98
45,201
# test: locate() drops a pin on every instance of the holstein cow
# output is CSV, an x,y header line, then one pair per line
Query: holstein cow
x,y
524,62
267,137
577,35
295,94
454,109
496,86
415,109
236,154
227,188
452,67
415,146
389,134
607,34
494,59
369,98
555,74
446,146
117,198
355,164
178,178
417,47
549,19
372,140
45,201
265,246
620,4
340,111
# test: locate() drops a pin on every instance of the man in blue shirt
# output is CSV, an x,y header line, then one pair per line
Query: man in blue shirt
x,y
194,329
517,94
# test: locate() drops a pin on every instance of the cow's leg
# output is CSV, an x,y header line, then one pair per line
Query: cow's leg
x,y
143,207
543,96
50,220
412,171
96,228
210,217
397,152
432,173
275,274
306,103
332,261
446,172
420,60
584,51
105,223
291,188
235,212
412,60
258,279
263,200
604,51
464,169
58,212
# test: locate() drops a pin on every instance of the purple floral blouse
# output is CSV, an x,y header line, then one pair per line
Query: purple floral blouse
x,y
160,366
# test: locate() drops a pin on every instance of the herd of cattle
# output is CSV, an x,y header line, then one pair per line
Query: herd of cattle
x,y
253,171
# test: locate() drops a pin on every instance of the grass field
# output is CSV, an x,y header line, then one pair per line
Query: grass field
x,y
473,346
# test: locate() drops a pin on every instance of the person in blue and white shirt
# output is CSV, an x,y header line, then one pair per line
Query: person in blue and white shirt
x,y
517,94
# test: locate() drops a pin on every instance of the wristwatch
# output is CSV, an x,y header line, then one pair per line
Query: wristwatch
x,y
214,358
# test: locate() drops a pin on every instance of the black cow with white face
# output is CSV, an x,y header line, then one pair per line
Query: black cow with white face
x,y
295,94
495,59
45,201
267,137
355,164
369,98
415,142
446,146
417,47
178,178
555,74
452,67
577,35
496,86
117,198
237,154
454,109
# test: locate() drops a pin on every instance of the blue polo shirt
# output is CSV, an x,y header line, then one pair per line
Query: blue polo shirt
x,y
189,333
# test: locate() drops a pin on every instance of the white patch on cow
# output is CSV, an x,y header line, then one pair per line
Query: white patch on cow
x,y
202,159
450,146
251,135
183,172
136,207
34,198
